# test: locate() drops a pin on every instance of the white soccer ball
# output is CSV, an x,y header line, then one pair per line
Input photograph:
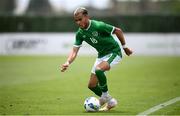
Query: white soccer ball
x,y
91,104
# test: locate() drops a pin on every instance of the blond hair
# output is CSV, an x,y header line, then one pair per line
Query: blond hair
x,y
81,10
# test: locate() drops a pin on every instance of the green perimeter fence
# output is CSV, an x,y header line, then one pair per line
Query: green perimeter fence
x,y
66,23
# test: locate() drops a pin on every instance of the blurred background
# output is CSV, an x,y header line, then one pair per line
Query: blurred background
x,y
37,35
56,15
137,18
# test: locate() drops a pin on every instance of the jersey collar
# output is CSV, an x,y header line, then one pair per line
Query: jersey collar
x,y
88,25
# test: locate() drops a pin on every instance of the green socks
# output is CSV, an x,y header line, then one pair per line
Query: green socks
x,y
102,86
96,90
102,80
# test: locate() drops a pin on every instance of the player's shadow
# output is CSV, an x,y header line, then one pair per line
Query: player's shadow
x,y
113,112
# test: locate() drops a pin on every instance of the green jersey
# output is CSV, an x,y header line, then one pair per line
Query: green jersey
x,y
98,35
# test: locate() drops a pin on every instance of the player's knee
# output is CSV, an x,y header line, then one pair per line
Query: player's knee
x,y
97,68
101,69
91,85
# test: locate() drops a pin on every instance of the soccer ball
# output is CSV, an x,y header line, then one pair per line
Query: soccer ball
x,y
91,104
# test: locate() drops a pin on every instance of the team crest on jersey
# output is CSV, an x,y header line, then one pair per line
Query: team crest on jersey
x,y
84,36
95,33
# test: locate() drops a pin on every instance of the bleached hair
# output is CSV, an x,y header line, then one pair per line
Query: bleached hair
x,y
81,10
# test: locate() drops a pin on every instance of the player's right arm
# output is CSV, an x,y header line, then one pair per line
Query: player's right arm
x,y
70,58
121,38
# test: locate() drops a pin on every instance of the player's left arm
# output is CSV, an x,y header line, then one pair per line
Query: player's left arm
x,y
120,36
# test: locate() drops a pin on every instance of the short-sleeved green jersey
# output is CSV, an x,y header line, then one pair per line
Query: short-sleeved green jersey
x,y
98,35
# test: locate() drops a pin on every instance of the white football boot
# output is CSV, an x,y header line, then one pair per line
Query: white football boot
x,y
104,99
109,105
112,103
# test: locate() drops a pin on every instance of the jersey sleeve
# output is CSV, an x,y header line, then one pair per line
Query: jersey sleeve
x,y
78,41
106,28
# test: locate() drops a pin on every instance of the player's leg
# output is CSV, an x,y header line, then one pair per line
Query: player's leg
x,y
106,64
99,70
100,66
93,85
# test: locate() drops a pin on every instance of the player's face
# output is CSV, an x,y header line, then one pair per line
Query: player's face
x,y
81,20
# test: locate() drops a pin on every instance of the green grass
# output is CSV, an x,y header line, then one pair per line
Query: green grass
x,y
34,85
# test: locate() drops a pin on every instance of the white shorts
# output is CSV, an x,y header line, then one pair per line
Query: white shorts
x,y
112,59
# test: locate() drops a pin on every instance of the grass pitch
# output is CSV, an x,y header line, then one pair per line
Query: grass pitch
x,y
32,85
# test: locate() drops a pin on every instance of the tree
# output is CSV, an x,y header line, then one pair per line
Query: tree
x,y
39,7
7,7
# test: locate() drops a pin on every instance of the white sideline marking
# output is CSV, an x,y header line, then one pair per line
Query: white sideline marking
x,y
160,106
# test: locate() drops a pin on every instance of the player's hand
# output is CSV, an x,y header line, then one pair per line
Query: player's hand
x,y
64,66
128,51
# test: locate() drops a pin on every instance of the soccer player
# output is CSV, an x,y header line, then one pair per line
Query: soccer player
x,y
99,35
